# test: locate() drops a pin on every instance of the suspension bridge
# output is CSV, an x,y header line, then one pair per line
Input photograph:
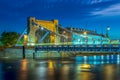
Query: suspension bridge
x,y
50,36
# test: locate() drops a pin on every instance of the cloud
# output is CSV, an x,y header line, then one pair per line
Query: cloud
x,y
91,2
56,8
110,11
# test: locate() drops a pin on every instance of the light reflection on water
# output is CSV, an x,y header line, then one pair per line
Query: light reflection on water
x,y
23,70
60,69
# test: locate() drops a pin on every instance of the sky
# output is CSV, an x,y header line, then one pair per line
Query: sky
x,y
88,14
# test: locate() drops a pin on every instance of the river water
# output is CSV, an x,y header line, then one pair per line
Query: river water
x,y
29,69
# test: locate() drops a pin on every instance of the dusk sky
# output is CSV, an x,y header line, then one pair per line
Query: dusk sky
x,y
89,14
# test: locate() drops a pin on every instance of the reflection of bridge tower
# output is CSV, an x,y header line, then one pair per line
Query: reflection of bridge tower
x,y
34,25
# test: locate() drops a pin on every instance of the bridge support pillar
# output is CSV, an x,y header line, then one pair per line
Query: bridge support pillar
x,y
33,55
23,51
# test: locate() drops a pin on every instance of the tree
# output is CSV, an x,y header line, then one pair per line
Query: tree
x,y
9,38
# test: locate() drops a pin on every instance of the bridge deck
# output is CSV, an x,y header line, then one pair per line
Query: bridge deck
x,y
96,48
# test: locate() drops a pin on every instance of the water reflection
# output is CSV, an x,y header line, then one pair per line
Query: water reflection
x,y
41,71
23,70
51,65
51,70
64,72
86,76
85,68
99,59
109,72
1,71
24,64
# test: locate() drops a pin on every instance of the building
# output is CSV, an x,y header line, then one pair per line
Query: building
x,y
83,36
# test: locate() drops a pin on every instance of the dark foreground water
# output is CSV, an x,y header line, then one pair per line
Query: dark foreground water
x,y
58,70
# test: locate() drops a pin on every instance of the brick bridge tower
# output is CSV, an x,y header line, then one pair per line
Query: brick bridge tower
x,y
48,25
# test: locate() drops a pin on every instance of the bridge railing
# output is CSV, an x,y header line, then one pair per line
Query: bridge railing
x,y
96,48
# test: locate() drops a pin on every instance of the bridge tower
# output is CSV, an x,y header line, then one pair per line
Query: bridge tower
x,y
47,25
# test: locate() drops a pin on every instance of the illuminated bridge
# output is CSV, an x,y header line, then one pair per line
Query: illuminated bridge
x,y
50,36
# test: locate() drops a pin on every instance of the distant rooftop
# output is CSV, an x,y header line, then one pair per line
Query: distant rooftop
x,y
82,30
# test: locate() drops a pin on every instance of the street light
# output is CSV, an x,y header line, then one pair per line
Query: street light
x,y
107,34
108,29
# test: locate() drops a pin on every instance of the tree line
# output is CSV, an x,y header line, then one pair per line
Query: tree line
x,y
8,39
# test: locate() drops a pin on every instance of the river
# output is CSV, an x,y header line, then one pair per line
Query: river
x,y
29,69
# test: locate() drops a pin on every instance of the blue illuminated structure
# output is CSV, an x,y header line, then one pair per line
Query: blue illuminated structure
x,y
83,36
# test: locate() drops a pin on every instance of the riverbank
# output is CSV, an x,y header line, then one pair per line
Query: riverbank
x,y
17,52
